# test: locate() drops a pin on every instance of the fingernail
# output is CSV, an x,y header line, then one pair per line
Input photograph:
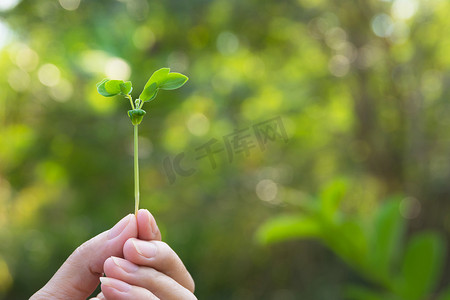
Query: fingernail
x,y
154,226
146,249
125,265
119,227
115,284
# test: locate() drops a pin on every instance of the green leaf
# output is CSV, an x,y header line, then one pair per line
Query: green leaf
x,y
173,81
385,240
331,197
149,92
161,79
113,86
422,265
101,88
288,227
353,292
157,77
126,87
151,87
349,241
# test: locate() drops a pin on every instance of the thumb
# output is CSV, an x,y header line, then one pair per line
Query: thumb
x,y
79,275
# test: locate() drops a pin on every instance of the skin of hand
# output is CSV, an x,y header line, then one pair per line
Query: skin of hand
x,y
150,269
79,276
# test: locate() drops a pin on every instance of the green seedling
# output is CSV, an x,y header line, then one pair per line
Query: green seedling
x,y
161,79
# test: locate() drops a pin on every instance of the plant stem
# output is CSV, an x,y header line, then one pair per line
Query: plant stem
x,y
131,101
136,170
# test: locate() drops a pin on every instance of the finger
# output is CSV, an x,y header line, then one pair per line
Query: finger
x,y
100,296
78,276
160,256
147,227
114,289
161,285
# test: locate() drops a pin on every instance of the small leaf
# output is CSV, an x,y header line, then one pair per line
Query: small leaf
x,y
113,86
348,240
149,92
385,240
288,227
102,89
126,87
422,265
331,197
173,81
154,95
157,77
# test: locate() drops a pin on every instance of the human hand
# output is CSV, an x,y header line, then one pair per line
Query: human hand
x,y
150,268
79,276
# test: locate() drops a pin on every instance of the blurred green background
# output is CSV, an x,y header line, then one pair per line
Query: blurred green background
x,y
353,206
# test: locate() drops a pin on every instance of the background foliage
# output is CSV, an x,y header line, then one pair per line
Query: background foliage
x,y
361,88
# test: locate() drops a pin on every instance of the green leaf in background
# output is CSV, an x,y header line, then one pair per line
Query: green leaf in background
x,y
126,87
349,241
288,227
353,292
331,196
173,81
149,93
101,88
422,265
445,295
386,239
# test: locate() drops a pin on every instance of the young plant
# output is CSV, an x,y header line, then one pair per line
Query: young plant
x,y
161,79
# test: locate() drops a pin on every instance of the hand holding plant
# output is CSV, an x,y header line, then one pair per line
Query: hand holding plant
x,y
161,79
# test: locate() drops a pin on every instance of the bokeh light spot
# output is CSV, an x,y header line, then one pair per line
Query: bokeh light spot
x,y
404,9
143,38
8,4
93,61
19,80
198,124
62,91
178,61
117,68
5,34
227,43
400,33
49,75
267,190
27,59
382,25
334,37
69,4
410,208
339,65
